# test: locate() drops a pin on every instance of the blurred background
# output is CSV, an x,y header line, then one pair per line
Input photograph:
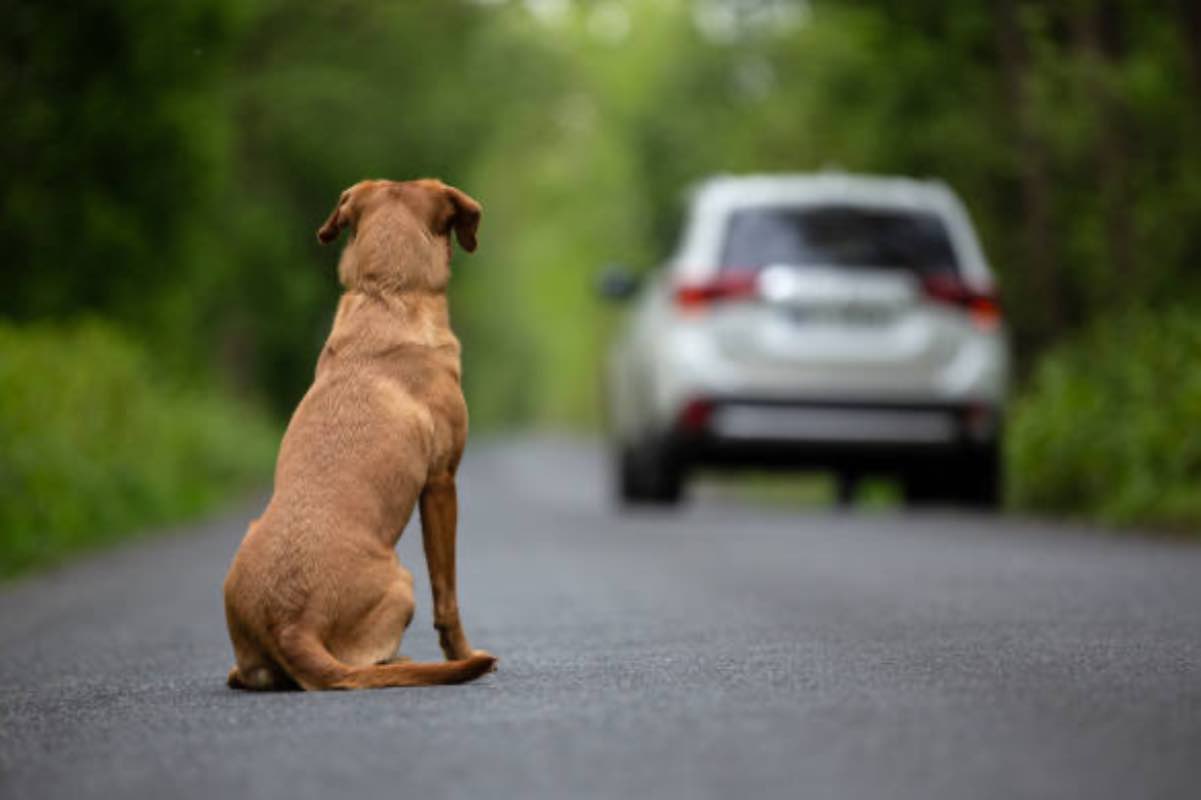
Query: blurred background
x,y
165,166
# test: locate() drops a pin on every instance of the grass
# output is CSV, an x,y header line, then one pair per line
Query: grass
x,y
1109,427
95,446
809,490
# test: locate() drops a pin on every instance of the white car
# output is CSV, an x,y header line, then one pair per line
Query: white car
x,y
825,321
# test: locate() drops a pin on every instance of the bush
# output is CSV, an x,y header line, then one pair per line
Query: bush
x,y
1110,427
94,446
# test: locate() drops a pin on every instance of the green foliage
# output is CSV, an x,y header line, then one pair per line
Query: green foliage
x,y
93,444
1110,426
113,149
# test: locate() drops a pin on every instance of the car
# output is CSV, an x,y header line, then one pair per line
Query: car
x,y
813,321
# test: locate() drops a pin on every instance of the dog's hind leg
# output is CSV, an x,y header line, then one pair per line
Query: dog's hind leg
x,y
375,636
254,669
259,679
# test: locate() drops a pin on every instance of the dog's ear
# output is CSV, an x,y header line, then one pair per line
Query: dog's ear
x,y
465,218
338,219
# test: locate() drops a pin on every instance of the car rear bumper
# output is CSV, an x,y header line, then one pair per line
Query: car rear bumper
x,y
850,435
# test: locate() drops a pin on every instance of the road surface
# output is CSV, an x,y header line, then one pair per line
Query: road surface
x,y
728,651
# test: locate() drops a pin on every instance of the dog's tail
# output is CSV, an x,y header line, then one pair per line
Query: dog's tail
x,y
313,666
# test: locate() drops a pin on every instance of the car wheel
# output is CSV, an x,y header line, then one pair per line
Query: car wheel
x,y
980,479
923,486
969,481
649,475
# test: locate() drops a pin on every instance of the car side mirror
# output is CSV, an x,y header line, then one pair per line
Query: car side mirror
x,y
617,284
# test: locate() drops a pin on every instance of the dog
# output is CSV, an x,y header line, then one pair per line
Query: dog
x,y
315,597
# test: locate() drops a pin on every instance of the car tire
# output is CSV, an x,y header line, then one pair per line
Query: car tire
x,y
969,481
921,488
980,479
649,474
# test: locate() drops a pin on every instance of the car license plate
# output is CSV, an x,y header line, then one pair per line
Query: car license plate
x,y
868,315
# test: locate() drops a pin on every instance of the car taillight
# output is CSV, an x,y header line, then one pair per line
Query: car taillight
x,y
734,285
984,308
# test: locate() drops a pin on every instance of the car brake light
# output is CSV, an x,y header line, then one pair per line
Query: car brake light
x,y
984,308
730,285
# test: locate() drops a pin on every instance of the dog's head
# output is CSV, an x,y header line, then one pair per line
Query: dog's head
x,y
400,232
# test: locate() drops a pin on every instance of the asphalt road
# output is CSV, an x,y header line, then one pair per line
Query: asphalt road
x,y
728,651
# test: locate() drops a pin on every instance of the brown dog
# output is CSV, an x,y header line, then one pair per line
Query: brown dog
x,y
316,596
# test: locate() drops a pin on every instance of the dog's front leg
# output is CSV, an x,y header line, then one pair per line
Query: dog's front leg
x,y
439,519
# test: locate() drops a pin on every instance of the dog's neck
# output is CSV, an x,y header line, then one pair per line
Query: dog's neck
x,y
370,323
389,285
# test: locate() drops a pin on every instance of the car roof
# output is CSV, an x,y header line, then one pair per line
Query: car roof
x,y
729,191
714,199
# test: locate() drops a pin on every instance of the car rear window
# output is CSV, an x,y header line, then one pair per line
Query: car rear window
x,y
839,236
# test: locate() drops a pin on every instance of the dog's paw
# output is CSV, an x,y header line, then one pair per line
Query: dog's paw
x,y
485,656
